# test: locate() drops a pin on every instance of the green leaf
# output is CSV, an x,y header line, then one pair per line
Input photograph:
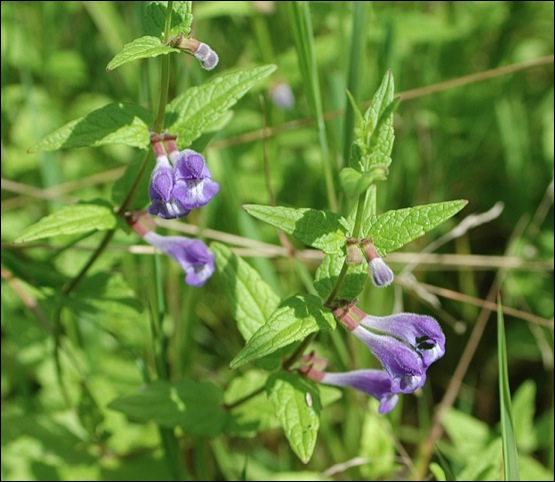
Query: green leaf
x,y
297,406
393,229
468,435
328,272
90,414
182,18
524,408
321,229
194,406
155,18
109,292
510,452
254,415
374,134
377,443
295,319
199,108
111,124
251,299
141,48
74,219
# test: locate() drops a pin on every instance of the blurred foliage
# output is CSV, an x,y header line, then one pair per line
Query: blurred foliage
x,y
487,141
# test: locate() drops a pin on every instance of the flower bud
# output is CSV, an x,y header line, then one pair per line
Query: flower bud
x,y
206,56
378,270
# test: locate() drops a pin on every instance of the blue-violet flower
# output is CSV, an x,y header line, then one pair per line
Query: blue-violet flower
x,y
192,254
178,188
376,383
405,344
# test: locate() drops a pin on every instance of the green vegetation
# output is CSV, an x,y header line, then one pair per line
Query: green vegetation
x,y
120,371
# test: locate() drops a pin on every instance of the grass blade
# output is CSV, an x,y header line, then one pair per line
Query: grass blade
x,y
510,453
301,23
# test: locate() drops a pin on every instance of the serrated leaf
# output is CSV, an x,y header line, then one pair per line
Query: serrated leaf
x,y
183,15
155,18
321,229
141,48
199,108
74,219
297,405
374,134
251,299
295,319
194,406
328,273
393,229
112,124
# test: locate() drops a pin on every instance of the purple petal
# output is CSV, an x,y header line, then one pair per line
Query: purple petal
x,y
192,254
162,184
422,332
195,193
168,210
190,165
161,181
376,383
403,364
380,273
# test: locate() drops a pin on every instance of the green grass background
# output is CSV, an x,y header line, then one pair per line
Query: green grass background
x,y
487,140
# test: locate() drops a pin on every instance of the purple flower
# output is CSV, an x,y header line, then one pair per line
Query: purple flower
x,y
376,383
420,332
175,190
192,254
164,203
403,364
406,344
193,184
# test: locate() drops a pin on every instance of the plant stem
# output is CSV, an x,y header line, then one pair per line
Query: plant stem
x,y
164,87
298,352
357,228
246,398
164,75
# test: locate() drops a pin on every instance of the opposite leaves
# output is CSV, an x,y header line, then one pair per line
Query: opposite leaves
x,y
374,134
151,45
141,48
